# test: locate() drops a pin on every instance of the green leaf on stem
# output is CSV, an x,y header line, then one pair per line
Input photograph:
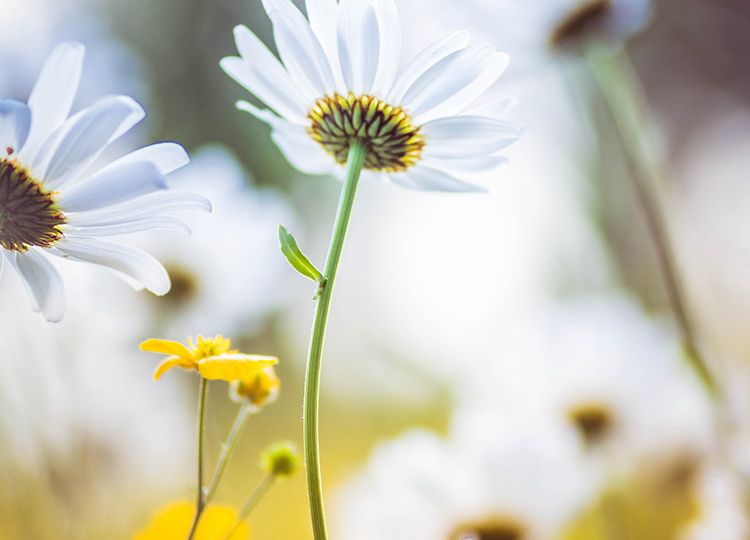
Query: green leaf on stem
x,y
296,258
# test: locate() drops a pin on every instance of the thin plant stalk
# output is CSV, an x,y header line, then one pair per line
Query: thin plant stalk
x,y
226,450
201,497
252,501
355,164
622,91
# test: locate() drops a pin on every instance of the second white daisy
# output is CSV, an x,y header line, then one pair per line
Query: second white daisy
x,y
339,82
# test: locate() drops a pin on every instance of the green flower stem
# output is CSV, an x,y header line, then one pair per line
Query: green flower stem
x,y
622,91
251,502
355,164
201,500
226,450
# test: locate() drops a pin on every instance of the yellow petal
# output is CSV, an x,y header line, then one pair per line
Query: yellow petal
x,y
173,523
232,367
172,362
166,346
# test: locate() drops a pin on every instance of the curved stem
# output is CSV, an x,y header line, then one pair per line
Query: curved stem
x,y
312,377
226,450
201,500
623,94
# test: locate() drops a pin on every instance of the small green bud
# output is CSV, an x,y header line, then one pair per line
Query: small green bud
x,y
280,459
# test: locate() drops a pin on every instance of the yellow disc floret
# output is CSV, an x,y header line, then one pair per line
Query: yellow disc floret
x,y
392,141
28,212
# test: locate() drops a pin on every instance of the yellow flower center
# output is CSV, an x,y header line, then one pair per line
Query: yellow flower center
x,y
208,347
594,421
392,141
494,529
28,213
578,20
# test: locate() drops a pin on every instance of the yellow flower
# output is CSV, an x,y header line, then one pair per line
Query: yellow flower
x,y
260,389
173,522
212,358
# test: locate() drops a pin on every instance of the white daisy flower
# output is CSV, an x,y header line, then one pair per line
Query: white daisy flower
x,y
54,199
340,81
612,375
521,482
532,31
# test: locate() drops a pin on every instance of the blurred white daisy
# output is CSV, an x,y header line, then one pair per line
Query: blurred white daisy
x,y
532,31
54,200
612,375
519,482
85,433
340,81
226,278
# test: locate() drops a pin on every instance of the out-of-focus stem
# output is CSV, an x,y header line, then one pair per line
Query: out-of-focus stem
x,y
227,449
623,93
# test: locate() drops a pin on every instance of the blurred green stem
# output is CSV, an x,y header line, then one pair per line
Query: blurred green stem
x,y
226,450
252,501
623,93
355,164
201,500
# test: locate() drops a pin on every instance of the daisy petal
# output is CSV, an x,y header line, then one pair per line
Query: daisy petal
x,y
114,185
423,178
160,203
43,282
295,143
233,367
390,46
424,61
165,346
452,84
15,120
167,156
471,165
467,136
300,50
52,96
260,72
130,261
164,223
169,363
496,108
83,136
359,44
323,15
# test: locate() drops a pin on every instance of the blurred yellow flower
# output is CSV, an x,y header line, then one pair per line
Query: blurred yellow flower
x,y
212,358
260,389
173,522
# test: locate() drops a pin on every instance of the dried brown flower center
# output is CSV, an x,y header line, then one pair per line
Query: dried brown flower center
x,y
490,530
578,20
392,141
29,215
594,421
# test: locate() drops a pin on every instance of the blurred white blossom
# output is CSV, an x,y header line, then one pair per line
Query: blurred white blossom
x,y
79,408
501,480
608,371
228,276
534,32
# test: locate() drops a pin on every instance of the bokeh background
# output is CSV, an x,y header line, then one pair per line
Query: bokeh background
x,y
479,322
